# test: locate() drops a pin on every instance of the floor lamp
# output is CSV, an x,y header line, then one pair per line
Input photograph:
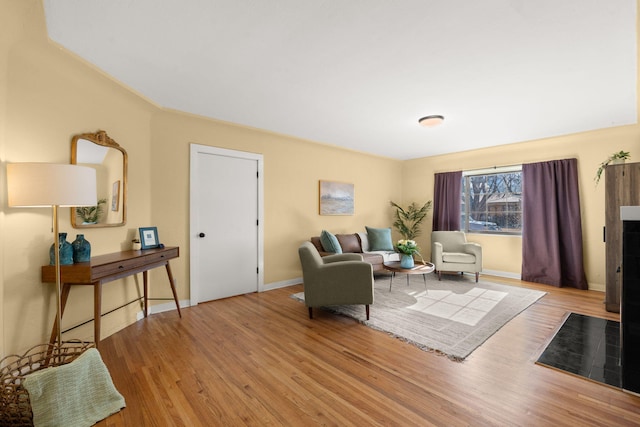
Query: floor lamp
x,y
38,185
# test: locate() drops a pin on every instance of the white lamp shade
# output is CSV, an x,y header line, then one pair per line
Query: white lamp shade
x,y
50,184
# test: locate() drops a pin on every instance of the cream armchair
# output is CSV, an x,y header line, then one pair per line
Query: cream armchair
x,y
450,251
340,279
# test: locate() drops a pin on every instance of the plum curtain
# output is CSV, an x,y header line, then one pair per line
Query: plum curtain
x,y
551,224
446,201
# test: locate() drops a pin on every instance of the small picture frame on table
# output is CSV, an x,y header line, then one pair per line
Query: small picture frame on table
x,y
149,238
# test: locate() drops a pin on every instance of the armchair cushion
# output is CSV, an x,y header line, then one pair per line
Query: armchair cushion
x,y
458,257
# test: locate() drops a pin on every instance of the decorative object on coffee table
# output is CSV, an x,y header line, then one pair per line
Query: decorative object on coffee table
x,y
407,249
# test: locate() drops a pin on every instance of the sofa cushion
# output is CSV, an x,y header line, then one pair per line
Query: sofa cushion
x,y
316,242
364,241
330,242
387,256
349,243
374,258
379,239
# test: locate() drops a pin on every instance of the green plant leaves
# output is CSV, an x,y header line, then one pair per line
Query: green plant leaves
x,y
407,221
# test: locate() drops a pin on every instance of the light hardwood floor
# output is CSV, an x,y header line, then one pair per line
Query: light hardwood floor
x,y
258,360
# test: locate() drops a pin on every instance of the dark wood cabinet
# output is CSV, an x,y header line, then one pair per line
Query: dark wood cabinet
x,y
630,306
622,188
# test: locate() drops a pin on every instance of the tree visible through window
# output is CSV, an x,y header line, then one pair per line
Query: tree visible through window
x,y
492,202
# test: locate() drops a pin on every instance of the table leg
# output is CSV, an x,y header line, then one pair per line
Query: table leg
x,y
424,277
97,311
145,290
173,289
393,273
407,279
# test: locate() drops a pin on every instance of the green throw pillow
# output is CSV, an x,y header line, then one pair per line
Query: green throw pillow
x,y
330,242
379,239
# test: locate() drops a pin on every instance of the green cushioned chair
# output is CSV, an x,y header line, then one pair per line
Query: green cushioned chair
x,y
341,279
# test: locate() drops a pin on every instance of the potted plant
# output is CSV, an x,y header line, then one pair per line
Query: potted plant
x,y
407,249
91,214
614,158
407,221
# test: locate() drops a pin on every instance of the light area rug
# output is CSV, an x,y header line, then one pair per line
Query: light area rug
x,y
452,317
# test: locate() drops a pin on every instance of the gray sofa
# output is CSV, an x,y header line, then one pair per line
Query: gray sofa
x,y
359,243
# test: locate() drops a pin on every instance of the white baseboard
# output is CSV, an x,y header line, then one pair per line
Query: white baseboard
x,y
600,287
283,284
592,286
159,308
505,274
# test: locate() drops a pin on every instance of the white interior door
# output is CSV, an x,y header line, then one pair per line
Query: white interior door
x,y
226,220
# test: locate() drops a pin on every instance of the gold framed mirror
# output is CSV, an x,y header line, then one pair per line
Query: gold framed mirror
x,y
99,151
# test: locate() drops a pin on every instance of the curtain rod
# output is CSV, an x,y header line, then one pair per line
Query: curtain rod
x,y
507,168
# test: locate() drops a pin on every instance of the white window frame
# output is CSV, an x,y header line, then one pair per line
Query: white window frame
x,y
482,225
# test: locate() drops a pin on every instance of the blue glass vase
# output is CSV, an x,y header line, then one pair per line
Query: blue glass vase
x,y
81,249
66,251
406,261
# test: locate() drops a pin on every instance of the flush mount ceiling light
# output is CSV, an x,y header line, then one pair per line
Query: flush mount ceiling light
x,y
431,121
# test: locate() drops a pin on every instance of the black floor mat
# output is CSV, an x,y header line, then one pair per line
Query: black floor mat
x,y
586,346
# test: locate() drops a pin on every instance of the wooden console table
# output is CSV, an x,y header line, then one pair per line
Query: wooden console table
x,y
106,268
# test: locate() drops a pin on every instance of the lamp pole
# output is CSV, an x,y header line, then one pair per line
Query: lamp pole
x,y
56,251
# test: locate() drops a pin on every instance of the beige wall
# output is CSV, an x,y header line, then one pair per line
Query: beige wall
x,y
52,95
47,95
503,253
292,169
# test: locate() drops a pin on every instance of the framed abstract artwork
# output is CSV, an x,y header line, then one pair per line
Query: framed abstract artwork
x,y
336,198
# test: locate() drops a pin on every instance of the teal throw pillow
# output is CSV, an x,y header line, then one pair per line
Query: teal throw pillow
x,y
330,242
379,239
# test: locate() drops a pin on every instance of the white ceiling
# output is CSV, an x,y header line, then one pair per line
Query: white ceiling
x,y
359,73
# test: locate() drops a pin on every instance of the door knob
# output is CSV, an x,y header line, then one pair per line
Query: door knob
x,y
201,235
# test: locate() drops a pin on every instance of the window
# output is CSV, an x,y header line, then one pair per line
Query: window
x,y
492,201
